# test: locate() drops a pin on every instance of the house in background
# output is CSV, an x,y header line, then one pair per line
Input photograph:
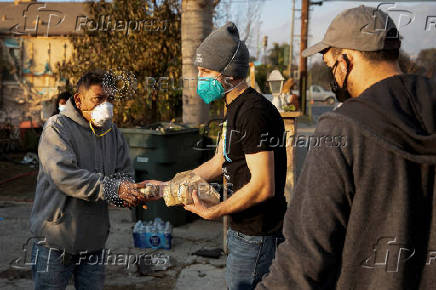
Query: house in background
x,y
34,38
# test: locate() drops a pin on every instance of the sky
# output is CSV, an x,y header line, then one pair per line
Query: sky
x,y
276,18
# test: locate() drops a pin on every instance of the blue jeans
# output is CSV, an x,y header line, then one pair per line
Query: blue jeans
x,y
249,258
50,270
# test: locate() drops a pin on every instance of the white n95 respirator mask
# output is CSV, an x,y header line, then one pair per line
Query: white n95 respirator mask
x,y
102,114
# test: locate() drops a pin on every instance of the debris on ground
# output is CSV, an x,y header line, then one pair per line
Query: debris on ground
x,y
214,253
31,159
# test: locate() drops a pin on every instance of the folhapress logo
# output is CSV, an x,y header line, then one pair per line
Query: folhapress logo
x,y
37,20
388,254
391,255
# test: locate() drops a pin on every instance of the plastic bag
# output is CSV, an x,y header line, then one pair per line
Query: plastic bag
x,y
178,191
150,190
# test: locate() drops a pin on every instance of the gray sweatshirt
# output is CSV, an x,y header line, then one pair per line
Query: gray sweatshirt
x,y
76,176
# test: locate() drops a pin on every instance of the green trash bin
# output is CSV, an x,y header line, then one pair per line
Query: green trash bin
x,y
159,152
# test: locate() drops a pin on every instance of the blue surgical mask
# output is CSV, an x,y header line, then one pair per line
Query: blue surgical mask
x,y
62,108
209,89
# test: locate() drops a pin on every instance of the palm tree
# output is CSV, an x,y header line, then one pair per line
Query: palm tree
x,y
197,24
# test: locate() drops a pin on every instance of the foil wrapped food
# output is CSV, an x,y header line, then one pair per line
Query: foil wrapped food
x,y
151,190
178,191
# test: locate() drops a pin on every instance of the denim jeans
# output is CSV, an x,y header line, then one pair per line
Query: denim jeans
x,y
50,270
249,258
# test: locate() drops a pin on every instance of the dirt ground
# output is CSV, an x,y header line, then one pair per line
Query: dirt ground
x,y
187,271
17,181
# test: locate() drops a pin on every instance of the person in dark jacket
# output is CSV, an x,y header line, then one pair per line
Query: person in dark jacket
x,y
363,212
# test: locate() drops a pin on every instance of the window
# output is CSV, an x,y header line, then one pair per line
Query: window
x,y
13,51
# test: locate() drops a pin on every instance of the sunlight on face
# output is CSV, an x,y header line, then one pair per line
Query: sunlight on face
x,y
91,98
94,96
204,72
328,58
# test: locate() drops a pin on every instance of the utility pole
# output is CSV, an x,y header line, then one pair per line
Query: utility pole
x,y
265,45
303,60
258,41
291,41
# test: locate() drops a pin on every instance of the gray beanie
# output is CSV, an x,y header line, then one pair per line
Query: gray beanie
x,y
224,52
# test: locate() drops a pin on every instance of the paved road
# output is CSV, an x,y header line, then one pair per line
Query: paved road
x,y
307,130
318,110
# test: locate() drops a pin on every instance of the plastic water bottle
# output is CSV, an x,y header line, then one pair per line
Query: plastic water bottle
x,y
167,234
138,234
148,227
168,228
160,227
137,227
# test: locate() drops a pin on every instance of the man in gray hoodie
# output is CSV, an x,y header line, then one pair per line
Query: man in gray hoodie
x,y
84,164
363,212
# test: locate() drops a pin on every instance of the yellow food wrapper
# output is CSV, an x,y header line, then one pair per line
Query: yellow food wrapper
x,y
178,191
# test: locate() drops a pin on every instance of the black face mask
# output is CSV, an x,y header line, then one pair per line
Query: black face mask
x,y
341,93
